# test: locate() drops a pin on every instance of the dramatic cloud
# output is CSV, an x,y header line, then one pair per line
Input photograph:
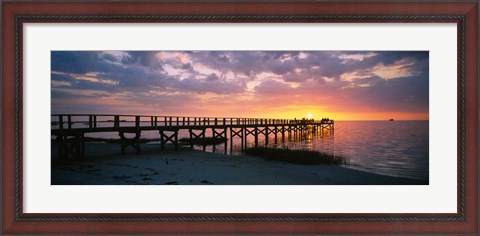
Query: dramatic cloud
x,y
338,84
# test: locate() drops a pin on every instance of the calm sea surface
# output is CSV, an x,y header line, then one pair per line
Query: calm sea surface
x,y
395,148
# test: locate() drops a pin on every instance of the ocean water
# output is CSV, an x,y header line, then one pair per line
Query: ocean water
x,y
394,148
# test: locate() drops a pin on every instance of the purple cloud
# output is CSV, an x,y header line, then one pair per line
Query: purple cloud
x,y
379,80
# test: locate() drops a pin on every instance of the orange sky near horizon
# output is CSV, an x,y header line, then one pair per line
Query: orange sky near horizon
x,y
277,113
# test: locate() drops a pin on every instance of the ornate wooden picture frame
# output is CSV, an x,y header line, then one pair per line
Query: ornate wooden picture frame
x,y
464,14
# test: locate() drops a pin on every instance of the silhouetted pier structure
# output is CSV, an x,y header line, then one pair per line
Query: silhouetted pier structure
x,y
70,129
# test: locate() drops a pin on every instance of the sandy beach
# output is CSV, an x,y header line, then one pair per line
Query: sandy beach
x,y
104,165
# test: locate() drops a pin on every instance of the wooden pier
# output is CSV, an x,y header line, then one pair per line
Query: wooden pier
x,y
69,130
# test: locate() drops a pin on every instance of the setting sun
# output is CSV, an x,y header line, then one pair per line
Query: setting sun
x,y
310,116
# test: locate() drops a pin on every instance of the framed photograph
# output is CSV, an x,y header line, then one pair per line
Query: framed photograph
x,y
240,117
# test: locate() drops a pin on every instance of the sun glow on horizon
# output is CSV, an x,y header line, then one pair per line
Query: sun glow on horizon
x,y
310,116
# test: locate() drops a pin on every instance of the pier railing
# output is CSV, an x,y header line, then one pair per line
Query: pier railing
x,y
72,121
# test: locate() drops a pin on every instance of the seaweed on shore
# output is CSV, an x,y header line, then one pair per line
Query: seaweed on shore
x,y
304,157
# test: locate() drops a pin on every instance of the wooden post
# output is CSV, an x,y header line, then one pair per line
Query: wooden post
x,y
170,121
116,122
162,141
225,136
216,121
245,136
183,121
69,122
275,130
122,142
94,121
203,138
165,121
231,139
137,140
191,138
244,144
213,135
60,122
151,121
256,136
90,120
156,122
176,140
137,122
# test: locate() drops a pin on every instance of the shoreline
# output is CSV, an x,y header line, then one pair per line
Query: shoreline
x,y
104,165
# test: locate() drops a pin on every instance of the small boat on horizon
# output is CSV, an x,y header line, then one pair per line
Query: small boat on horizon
x,y
391,120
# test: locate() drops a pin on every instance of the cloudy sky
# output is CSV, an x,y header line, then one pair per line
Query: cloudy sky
x,y
342,85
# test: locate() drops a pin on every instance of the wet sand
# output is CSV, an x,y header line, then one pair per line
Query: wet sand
x,y
104,165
